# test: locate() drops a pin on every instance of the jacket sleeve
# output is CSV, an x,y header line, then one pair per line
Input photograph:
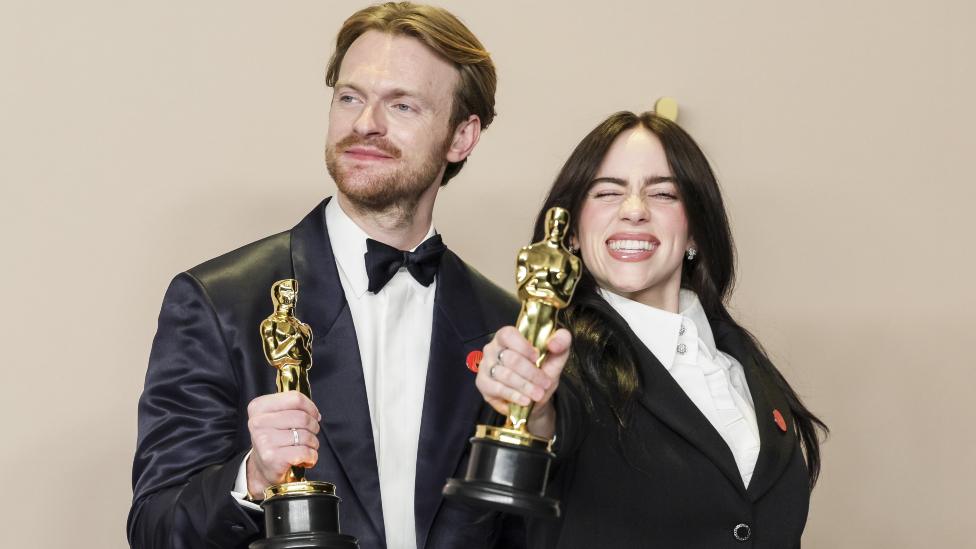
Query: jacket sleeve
x,y
571,420
511,532
189,449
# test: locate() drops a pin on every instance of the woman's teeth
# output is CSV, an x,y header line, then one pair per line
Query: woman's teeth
x,y
631,245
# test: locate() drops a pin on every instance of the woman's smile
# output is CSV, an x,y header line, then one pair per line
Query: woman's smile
x,y
632,246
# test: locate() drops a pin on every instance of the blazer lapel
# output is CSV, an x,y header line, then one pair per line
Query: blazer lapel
x,y
337,368
451,400
662,396
776,445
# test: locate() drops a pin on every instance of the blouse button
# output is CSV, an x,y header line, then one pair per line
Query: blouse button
x,y
742,532
682,330
682,348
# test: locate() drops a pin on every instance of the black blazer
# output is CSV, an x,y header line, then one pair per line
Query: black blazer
x,y
207,364
670,480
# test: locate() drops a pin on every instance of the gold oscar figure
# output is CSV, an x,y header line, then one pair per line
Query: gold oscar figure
x,y
546,275
287,345
509,465
299,512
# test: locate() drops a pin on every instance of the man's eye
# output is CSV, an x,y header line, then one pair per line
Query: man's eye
x,y
401,107
345,99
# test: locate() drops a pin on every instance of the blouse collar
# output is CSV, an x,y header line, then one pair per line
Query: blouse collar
x,y
666,334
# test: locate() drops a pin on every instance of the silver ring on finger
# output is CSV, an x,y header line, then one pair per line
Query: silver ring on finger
x,y
294,437
491,371
498,357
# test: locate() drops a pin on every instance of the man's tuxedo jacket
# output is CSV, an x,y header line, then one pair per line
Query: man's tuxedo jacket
x,y
207,364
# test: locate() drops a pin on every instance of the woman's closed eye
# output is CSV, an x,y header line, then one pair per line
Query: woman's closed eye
x,y
663,195
607,193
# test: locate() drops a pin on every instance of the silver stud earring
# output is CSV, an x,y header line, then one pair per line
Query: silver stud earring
x,y
692,252
573,249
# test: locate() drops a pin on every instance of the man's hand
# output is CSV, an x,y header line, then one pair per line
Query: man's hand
x,y
271,419
516,379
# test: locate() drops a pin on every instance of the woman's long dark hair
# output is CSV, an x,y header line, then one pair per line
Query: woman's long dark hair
x,y
602,360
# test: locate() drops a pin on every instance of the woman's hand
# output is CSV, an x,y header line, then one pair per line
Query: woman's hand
x,y
508,374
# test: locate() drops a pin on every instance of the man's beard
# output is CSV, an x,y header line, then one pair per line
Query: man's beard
x,y
400,190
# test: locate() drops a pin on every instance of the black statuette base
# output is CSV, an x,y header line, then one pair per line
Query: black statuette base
x,y
303,521
506,477
307,540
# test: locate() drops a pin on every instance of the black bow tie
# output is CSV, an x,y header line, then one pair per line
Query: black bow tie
x,y
383,261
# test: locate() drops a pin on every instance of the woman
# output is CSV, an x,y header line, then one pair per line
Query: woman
x,y
673,428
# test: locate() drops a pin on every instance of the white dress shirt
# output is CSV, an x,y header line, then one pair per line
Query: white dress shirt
x,y
713,380
393,328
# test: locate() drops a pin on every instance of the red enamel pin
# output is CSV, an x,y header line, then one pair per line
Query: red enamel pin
x,y
780,422
473,360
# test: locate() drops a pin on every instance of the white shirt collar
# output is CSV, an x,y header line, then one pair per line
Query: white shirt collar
x,y
659,330
692,310
349,246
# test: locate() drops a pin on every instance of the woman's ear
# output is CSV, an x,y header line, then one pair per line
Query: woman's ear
x,y
573,244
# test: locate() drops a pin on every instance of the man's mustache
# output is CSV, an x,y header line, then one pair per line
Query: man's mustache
x,y
380,143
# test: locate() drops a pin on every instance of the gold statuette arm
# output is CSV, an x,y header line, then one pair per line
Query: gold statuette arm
x,y
571,277
521,271
277,351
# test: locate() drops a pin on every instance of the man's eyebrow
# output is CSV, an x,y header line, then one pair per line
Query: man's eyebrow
x,y
343,84
389,94
402,92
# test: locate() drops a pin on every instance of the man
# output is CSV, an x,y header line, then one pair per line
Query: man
x,y
393,400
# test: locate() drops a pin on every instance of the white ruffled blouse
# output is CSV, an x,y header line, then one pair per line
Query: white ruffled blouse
x,y
713,380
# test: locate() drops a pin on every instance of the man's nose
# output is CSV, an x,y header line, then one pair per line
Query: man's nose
x,y
634,209
370,121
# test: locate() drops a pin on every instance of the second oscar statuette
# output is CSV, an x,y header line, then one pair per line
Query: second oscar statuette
x,y
509,466
299,513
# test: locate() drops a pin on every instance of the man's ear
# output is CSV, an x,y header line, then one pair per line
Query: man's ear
x,y
465,137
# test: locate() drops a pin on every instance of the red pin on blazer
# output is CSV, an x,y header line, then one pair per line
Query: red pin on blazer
x,y
780,422
474,360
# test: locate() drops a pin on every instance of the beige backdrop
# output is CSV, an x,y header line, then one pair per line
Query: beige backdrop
x,y
141,138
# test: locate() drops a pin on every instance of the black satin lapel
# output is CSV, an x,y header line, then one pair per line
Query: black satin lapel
x,y
776,446
336,376
662,396
320,295
346,424
451,400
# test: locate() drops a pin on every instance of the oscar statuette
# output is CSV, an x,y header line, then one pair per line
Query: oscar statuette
x,y
509,466
299,513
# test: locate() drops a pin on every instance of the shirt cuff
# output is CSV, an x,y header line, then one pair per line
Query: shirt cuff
x,y
240,486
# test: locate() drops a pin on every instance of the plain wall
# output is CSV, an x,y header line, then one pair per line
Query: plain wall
x,y
138,139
